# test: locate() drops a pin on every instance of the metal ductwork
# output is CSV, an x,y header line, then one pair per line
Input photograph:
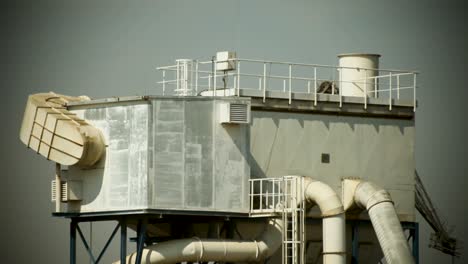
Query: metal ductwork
x,y
59,135
333,223
196,249
383,216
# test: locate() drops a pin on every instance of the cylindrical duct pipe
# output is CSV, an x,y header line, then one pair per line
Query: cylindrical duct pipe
x,y
203,250
357,72
333,223
196,250
385,221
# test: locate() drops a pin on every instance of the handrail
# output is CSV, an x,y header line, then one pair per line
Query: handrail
x,y
295,78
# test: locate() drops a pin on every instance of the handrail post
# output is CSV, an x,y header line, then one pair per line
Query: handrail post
x,y
414,92
164,81
238,78
315,86
390,93
214,79
273,196
209,82
290,82
177,76
375,86
234,83
196,77
260,196
365,90
340,87
252,193
398,86
264,81
333,83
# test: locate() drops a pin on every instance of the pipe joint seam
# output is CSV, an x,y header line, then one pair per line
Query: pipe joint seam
x,y
200,242
324,196
377,197
333,212
334,253
257,249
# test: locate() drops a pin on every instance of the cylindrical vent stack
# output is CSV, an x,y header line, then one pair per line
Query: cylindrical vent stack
x,y
357,72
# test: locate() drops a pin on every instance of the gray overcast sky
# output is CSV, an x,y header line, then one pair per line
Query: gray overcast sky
x,y
110,48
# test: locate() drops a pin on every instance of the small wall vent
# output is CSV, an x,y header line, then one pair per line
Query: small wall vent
x,y
235,113
70,191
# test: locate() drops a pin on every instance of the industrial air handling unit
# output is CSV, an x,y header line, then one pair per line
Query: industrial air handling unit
x,y
227,165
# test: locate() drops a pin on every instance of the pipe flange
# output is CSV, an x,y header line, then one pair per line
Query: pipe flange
x,y
379,196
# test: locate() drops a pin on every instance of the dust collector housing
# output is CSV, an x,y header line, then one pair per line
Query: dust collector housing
x,y
170,153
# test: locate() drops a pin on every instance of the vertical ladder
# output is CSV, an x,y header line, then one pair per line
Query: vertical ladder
x,y
293,216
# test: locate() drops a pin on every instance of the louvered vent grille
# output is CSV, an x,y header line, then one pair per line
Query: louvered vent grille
x,y
238,113
63,189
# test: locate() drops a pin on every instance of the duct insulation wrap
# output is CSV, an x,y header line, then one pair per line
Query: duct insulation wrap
x,y
357,72
385,222
219,250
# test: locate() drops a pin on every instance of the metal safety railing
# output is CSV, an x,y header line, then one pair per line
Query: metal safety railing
x,y
284,196
194,77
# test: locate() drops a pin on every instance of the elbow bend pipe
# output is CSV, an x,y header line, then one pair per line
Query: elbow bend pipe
x,y
333,222
220,250
385,221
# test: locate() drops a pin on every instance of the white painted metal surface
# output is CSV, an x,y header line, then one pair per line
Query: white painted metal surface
x,y
288,196
357,72
169,153
387,226
334,225
225,61
184,72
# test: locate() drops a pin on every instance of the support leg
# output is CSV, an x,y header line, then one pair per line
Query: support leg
x,y
73,242
355,243
123,240
415,231
141,236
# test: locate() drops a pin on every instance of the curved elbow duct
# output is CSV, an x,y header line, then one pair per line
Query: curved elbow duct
x,y
203,250
385,221
333,223
196,250
59,135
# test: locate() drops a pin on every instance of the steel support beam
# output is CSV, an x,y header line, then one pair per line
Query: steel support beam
x,y
73,225
413,229
141,236
123,240
355,242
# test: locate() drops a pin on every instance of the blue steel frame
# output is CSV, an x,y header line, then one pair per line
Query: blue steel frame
x,y
122,225
141,238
